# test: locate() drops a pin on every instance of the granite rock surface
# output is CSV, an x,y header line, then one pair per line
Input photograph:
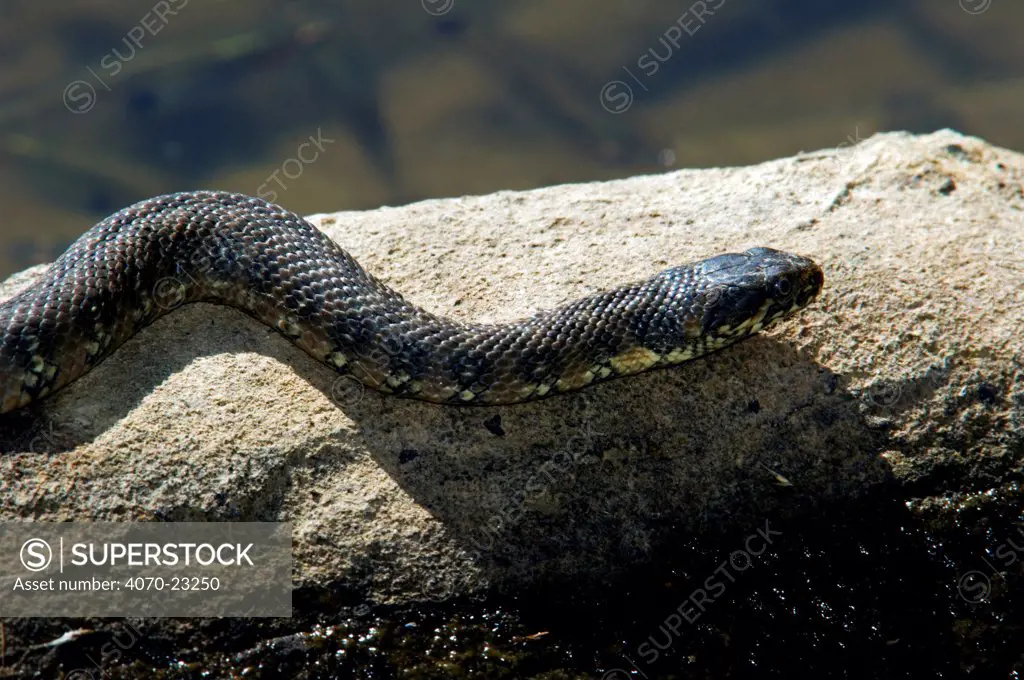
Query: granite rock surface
x,y
907,371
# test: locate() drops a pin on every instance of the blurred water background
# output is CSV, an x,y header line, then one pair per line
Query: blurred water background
x,y
104,102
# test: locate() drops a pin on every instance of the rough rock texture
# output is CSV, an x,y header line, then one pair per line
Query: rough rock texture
x,y
908,369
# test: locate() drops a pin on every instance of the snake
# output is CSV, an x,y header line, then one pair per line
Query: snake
x,y
150,258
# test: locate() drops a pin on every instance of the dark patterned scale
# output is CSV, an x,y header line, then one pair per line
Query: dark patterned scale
x,y
231,249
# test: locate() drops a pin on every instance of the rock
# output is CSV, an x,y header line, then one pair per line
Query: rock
x,y
907,371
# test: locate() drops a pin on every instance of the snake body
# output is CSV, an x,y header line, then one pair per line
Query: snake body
x,y
149,258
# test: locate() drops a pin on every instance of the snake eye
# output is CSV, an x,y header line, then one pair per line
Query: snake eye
x,y
783,288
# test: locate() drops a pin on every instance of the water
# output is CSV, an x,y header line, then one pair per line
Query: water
x,y
106,104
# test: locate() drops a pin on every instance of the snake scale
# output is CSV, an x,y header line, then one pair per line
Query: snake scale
x,y
149,258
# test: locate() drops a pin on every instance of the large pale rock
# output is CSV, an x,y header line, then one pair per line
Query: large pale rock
x,y
908,368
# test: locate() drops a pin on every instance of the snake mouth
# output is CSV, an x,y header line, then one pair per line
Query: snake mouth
x,y
758,288
798,288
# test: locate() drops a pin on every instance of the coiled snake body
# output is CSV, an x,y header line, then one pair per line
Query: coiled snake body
x,y
151,257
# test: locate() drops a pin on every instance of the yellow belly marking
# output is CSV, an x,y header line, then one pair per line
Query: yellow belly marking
x,y
575,381
680,355
634,360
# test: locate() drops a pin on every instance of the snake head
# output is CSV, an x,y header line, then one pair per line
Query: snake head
x,y
746,292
